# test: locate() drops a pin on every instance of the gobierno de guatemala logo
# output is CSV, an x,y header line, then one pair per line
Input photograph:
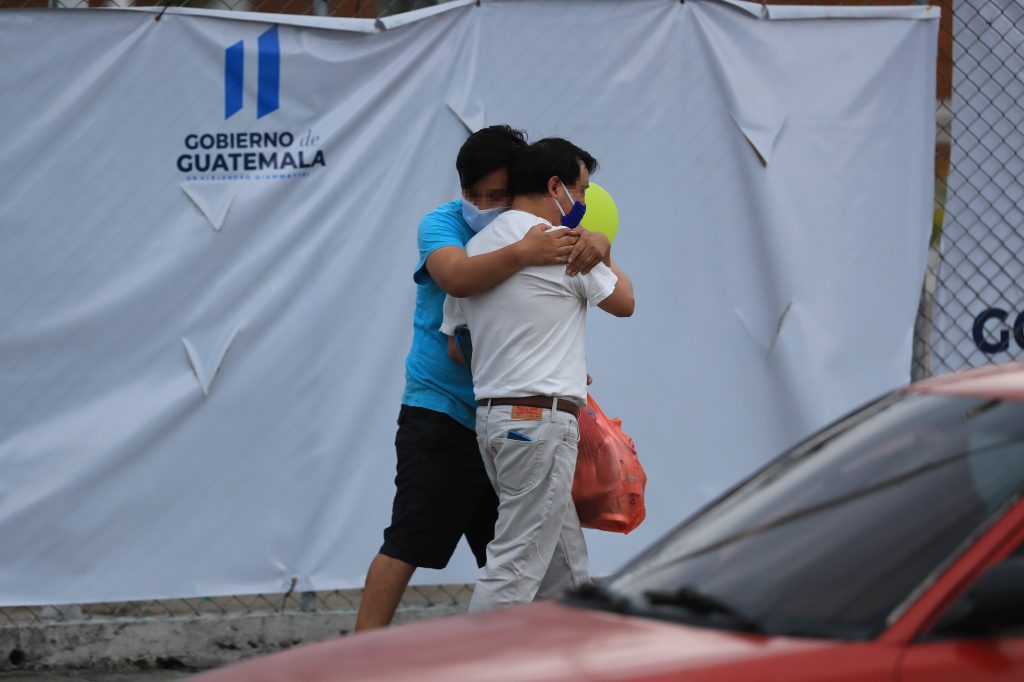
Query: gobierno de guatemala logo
x,y
251,155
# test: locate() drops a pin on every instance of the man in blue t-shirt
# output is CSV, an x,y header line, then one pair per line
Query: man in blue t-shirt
x,y
443,491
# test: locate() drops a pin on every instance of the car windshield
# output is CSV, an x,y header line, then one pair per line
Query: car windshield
x,y
832,537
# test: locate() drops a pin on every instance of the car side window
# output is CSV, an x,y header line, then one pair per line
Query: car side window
x,y
993,607
996,464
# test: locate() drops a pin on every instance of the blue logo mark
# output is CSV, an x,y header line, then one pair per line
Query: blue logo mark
x,y
268,93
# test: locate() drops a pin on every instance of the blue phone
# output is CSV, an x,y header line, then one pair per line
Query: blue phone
x,y
515,435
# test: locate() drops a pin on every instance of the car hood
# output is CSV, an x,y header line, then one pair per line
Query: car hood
x,y
544,641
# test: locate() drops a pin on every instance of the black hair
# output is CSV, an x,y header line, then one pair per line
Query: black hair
x,y
531,169
487,150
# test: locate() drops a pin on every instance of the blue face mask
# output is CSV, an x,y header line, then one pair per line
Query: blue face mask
x,y
478,219
575,215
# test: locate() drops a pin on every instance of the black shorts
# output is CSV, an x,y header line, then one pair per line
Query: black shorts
x,y
443,491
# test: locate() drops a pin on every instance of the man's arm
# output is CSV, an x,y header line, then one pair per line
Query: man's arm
x,y
461,275
620,302
455,353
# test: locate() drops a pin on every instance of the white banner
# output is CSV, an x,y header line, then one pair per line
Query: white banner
x,y
980,298
209,231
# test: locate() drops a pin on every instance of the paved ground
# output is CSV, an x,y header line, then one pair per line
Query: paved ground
x,y
188,634
92,676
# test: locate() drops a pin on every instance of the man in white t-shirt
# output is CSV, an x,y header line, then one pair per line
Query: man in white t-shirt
x,y
529,379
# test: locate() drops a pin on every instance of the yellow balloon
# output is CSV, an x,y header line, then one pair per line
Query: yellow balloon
x,y
602,215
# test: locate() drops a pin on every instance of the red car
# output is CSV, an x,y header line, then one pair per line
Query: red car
x,y
888,546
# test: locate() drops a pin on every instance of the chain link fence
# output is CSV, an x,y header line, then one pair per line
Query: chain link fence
x,y
974,273
972,314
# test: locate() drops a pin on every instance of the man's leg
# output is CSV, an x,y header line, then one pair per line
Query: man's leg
x,y
438,482
568,567
480,530
534,480
385,583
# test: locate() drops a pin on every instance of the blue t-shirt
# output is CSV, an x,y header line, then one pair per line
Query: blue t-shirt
x,y
432,380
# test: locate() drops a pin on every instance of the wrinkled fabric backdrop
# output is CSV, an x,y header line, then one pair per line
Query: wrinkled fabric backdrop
x,y
209,231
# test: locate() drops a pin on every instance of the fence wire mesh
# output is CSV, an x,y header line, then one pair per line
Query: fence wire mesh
x,y
975,264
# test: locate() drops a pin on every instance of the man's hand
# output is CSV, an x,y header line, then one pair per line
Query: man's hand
x,y
544,246
591,249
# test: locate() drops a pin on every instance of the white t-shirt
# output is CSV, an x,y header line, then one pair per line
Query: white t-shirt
x,y
528,331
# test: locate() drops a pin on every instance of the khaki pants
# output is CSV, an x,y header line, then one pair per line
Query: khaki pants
x,y
538,548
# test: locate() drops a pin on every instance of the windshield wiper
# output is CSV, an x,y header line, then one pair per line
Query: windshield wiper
x,y
598,597
703,604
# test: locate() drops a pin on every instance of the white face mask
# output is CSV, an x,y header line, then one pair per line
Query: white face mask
x,y
478,219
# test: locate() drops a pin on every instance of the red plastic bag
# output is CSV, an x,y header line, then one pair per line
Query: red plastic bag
x,y
609,486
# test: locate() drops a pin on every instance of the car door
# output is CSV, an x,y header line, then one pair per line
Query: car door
x,y
981,636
